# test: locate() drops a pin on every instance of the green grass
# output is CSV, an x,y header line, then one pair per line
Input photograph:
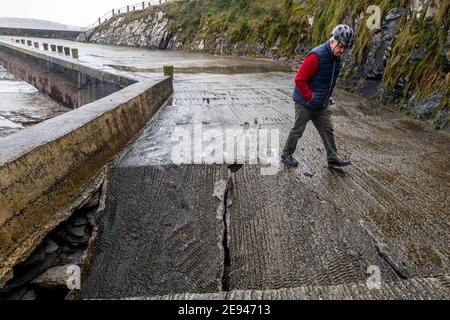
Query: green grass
x,y
425,76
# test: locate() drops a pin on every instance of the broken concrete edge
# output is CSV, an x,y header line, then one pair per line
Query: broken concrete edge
x,y
58,276
393,255
87,256
112,76
79,201
421,288
55,277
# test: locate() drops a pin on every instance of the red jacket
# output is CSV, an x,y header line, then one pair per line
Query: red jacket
x,y
307,70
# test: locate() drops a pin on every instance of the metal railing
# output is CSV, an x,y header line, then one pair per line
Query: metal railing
x,y
129,8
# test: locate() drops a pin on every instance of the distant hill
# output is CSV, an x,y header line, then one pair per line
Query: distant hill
x,y
35,24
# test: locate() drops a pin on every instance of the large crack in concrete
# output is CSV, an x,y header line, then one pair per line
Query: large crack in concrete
x,y
226,248
227,203
398,266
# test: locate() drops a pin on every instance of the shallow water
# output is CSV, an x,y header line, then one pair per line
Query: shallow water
x,y
21,105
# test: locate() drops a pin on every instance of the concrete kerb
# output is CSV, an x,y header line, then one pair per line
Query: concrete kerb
x,y
44,167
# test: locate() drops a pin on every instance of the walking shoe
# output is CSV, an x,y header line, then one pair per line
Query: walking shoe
x,y
289,160
338,163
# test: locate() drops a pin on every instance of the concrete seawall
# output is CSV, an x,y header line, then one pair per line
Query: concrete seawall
x,y
40,33
48,170
68,83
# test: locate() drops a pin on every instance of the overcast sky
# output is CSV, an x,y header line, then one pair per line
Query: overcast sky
x,y
73,12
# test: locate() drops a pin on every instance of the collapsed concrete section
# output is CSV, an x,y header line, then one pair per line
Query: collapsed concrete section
x,y
50,169
63,80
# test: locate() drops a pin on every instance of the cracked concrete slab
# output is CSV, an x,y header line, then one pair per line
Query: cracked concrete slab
x,y
306,227
159,234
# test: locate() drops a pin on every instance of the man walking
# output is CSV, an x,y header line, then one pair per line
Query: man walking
x,y
314,85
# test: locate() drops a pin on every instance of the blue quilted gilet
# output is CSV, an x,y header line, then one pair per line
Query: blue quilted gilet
x,y
322,84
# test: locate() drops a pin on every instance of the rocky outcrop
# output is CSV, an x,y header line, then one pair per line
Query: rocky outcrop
x,y
148,32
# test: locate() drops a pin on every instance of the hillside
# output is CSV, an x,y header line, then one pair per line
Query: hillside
x,y
403,62
35,24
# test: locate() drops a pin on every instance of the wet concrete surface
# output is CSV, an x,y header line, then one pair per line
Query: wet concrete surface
x,y
142,61
171,226
307,226
21,105
169,240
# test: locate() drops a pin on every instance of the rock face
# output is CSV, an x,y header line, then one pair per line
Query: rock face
x,y
368,76
148,32
154,29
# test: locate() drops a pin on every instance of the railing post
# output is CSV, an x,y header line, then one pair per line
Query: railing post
x,y
128,9
143,5
74,53
99,21
168,70
113,12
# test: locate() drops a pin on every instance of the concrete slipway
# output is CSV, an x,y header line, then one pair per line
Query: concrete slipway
x,y
218,230
172,228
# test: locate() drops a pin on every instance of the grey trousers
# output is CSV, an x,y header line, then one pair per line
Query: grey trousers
x,y
321,120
